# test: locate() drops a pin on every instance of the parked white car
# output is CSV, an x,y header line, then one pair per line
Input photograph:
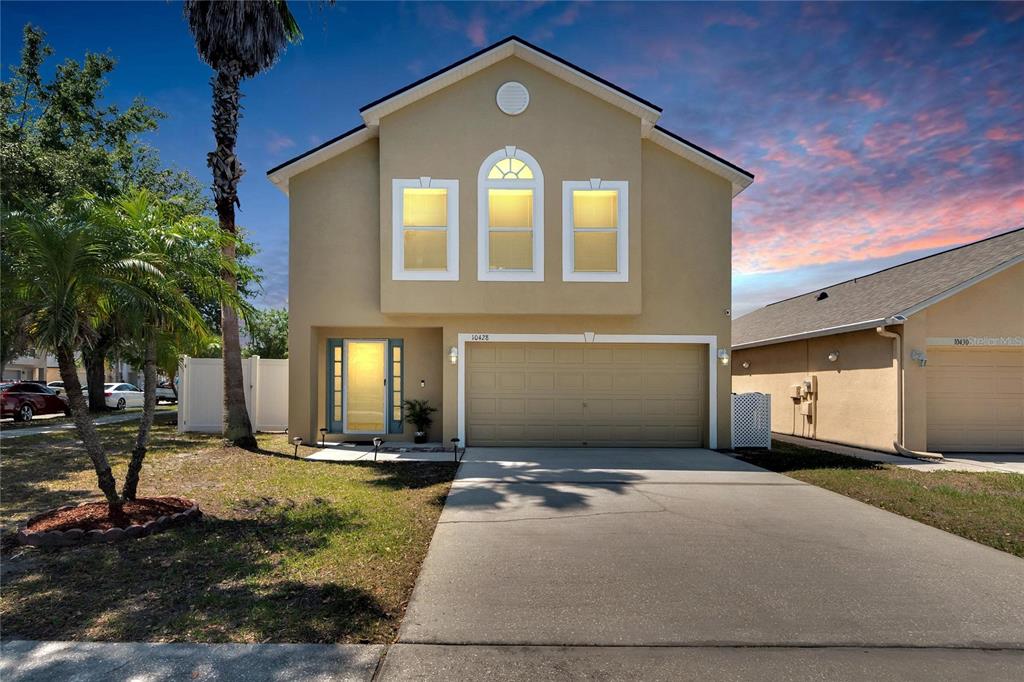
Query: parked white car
x,y
57,386
120,396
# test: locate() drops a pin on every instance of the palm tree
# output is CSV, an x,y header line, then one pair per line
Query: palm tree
x,y
165,319
72,272
238,40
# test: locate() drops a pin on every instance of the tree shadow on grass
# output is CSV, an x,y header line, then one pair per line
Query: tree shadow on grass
x,y
785,457
221,580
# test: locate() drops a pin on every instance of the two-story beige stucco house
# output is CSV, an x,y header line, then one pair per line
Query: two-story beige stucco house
x,y
517,241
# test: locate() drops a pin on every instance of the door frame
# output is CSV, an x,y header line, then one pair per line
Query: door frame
x,y
385,393
711,341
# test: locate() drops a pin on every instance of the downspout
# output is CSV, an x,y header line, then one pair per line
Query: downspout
x,y
900,393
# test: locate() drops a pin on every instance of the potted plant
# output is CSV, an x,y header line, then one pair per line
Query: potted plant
x,y
417,413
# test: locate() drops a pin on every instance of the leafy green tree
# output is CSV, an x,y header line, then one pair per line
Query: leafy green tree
x,y
59,139
238,40
268,333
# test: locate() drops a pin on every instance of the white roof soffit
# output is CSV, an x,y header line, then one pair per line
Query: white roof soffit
x,y
740,181
339,145
513,47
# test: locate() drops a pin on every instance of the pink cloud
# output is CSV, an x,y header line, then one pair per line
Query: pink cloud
x,y
827,146
956,154
733,18
476,30
872,100
970,38
1001,134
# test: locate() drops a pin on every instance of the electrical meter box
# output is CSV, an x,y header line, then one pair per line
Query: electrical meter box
x,y
810,384
807,409
795,391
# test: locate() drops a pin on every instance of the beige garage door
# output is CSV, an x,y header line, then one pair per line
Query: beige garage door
x,y
976,400
586,394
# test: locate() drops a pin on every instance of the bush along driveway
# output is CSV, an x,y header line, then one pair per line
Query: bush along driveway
x,y
289,550
984,507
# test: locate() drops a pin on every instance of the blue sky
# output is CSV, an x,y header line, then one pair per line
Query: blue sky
x,y
878,132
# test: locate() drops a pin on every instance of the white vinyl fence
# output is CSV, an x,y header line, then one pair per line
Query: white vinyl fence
x,y
201,394
751,420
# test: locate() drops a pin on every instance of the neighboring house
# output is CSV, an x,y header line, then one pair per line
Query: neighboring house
x,y
929,353
26,368
515,240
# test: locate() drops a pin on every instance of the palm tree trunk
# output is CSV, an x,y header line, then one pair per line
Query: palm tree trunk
x,y
227,172
85,427
131,479
94,359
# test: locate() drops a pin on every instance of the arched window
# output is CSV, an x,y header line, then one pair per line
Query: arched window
x,y
510,209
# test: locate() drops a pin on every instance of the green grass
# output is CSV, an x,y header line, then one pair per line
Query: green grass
x,y
984,507
289,551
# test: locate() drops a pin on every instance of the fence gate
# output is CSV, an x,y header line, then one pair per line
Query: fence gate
x,y
751,420
201,394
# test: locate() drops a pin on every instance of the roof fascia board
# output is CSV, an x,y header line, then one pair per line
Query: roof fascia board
x,y
827,331
966,284
503,50
346,141
740,181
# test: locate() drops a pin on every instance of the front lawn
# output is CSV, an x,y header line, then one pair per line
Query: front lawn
x,y
984,507
289,551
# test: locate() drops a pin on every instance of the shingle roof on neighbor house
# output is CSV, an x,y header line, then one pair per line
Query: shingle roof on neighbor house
x,y
885,297
540,58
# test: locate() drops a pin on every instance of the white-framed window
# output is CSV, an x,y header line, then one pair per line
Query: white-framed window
x,y
425,229
510,223
595,230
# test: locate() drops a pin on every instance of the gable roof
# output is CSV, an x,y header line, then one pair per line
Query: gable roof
x,y
648,112
888,296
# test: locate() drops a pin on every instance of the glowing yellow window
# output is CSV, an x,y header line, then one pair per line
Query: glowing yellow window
x,y
510,219
595,230
425,228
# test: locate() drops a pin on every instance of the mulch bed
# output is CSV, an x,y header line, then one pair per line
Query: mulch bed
x,y
96,515
92,522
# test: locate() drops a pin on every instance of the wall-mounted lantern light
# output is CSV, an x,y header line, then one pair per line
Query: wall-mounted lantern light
x,y
453,355
723,356
833,356
920,356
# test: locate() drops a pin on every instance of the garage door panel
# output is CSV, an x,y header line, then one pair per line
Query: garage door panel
x,y
975,400
561,394
538,382
541,356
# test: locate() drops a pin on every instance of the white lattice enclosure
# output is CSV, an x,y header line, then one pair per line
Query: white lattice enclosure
x,y
751,420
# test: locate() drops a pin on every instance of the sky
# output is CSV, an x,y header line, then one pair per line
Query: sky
x,y
878,133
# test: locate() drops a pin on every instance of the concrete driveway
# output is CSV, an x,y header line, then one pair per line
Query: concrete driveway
x,y
576,563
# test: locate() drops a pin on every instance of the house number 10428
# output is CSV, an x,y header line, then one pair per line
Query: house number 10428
x,y
480,337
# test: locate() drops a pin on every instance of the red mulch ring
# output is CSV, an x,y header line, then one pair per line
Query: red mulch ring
x,y
96,515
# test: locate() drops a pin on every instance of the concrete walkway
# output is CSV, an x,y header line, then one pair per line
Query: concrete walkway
x,y
691,564
70,426
391,452
1007,463
22,661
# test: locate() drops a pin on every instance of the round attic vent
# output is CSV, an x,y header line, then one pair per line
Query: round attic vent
x,y
513,98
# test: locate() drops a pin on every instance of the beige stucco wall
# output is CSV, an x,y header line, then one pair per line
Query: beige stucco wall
x,y
680,213
856,401
573,136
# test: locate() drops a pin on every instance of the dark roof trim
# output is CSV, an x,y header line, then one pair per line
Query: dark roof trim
x,y
317,148
700,149
513,38
900,265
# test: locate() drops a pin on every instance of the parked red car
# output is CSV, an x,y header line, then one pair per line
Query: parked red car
x,y
23,400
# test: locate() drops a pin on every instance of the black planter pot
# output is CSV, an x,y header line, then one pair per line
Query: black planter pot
x,y
420,438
